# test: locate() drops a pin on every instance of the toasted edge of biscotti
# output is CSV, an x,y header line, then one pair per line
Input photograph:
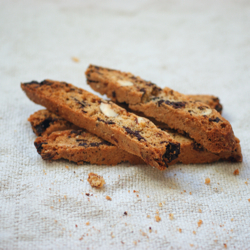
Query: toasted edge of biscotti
x,y
204,124
105,119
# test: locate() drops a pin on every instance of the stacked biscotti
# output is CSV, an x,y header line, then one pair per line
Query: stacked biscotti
x,y
81,127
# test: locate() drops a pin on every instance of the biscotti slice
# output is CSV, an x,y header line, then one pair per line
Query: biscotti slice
x,y
190,151
105,119
205,125
81,146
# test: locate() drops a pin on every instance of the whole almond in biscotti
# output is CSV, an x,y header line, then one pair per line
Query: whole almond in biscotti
x,y
202,123
106,120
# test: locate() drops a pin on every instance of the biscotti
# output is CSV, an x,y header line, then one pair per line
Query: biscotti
x,y
80,146
205,125
105,119
54,146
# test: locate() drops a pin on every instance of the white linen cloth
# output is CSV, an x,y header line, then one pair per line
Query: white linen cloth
x,y
194,47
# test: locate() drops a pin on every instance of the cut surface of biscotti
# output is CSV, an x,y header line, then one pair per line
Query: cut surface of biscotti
x,y
134,134
205,125
81,146
190,151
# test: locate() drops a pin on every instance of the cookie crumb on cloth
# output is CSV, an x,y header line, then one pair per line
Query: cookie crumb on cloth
x,y
96,180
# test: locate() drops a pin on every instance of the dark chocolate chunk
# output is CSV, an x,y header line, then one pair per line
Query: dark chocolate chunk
x,y
39,146
82,103
77,132
135,133
176,105
106,122
32,82
83,144
197,146
41,127
218,107
217,119
45,82
89,81
81,140
114,94
172,151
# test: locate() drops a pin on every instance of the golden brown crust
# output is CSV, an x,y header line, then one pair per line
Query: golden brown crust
x,y
205,125
83,109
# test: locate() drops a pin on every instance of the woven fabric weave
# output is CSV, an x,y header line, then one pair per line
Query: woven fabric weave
x,y
194,47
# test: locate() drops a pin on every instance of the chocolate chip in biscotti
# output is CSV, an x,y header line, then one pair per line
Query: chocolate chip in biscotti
x,y
176,105
40,128
172,151
217,119
39,146
197,146
135,133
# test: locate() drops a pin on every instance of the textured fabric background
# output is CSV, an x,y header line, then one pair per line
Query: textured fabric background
x,y
190,46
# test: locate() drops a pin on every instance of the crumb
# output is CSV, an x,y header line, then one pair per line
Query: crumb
x,y
225,245
76,226
135,242
147,196
148,216
67,167
129,191
157,218
143,233
199,223
207,181
156,231
96,180
190,193
150,229
108,198
65,197
191,245
180,230
157,212
87,223
51,207
200,211
125,213
112,235
249,200
232,219
137,195
171,216
55,221
246,182
87,194
236,171
75,59
194,232
160,204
